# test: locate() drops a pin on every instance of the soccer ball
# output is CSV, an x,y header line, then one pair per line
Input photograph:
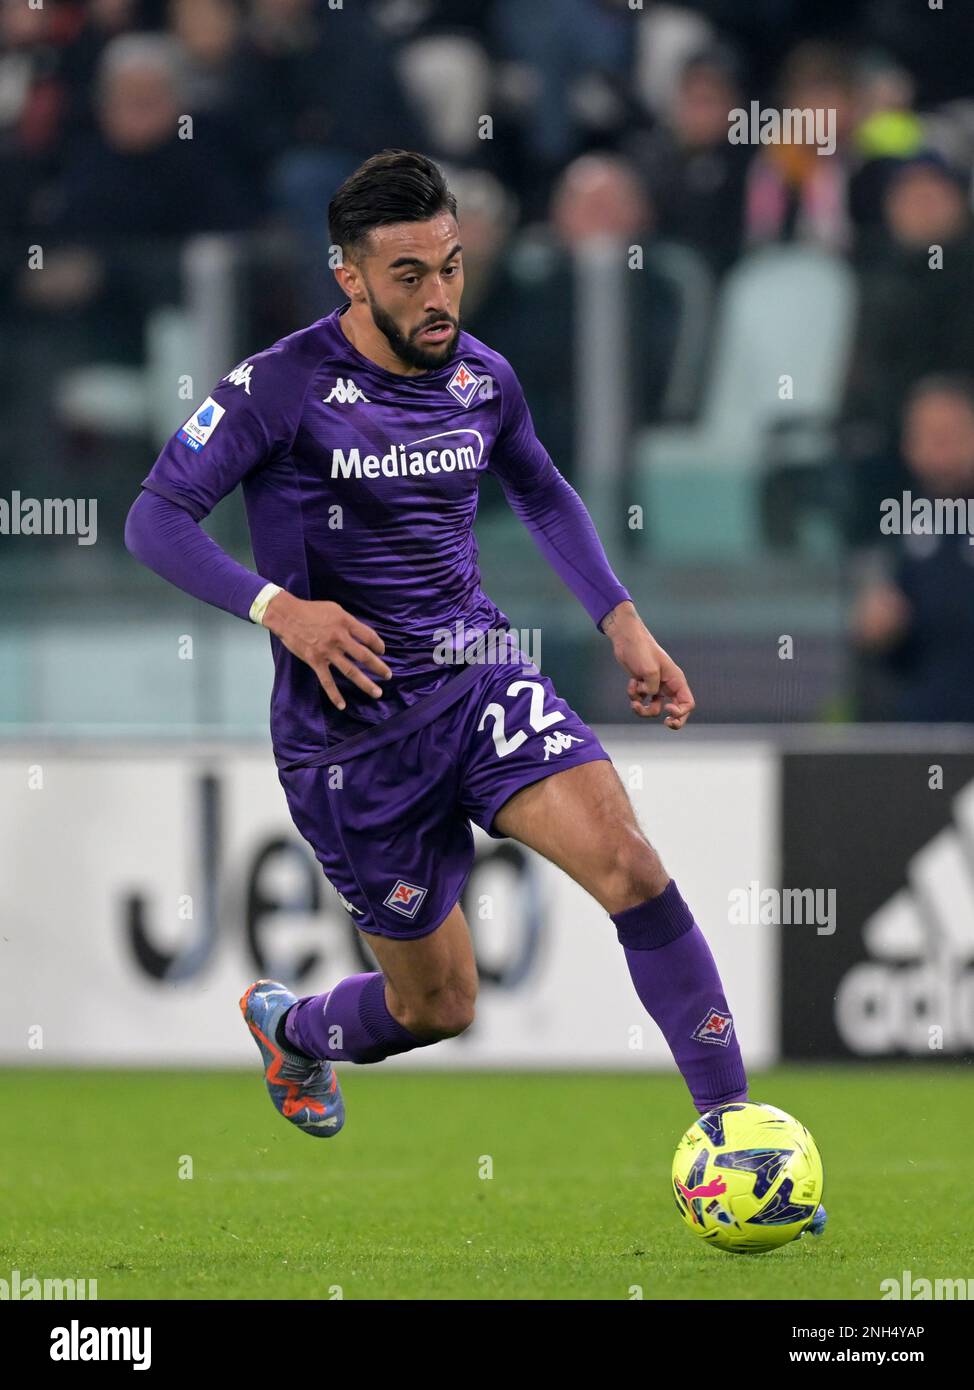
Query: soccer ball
x,y
747,1177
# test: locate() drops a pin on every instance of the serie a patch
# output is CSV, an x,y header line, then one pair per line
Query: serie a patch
x,y
198,428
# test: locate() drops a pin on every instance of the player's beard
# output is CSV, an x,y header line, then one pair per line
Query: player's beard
x,y
405,348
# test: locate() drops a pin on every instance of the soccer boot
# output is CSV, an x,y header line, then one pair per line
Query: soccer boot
x,y
306,1092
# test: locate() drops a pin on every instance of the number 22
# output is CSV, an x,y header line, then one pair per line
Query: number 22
x,y
536,717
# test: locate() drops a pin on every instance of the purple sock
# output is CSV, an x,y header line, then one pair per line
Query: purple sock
x,y
677,981
351,1023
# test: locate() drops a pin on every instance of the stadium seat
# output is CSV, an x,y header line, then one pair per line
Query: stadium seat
x,y
666,37
103,397
693,282
171,354
447,78
785,316
131,402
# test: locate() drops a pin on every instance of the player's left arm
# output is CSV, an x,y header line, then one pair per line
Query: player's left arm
x,y
655,681
562,528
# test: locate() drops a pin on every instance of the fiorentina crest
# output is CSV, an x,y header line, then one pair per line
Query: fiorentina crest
x,y
405,898
715,1027
463,384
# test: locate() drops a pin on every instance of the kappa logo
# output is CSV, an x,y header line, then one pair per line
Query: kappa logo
x,y
349,907
201,425
463,384
405,898
557,743
240,376
345,392
715,1027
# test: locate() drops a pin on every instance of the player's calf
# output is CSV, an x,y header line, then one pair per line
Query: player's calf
x,y
437,1013
678,983
582,820
425,992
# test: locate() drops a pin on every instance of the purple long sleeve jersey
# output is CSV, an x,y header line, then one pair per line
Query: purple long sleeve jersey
x,y
361,487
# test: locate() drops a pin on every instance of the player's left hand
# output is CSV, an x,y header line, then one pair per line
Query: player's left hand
x,y
656,683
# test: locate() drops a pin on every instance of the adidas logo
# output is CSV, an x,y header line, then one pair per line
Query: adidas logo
x,y
345,393
916,992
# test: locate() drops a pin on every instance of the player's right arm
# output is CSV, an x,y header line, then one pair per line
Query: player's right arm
x,y
232,434
324,635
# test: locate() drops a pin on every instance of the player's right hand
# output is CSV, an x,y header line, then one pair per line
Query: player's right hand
x,y
324,635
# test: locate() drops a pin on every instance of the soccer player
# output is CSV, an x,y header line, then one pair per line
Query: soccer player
x,y
360,442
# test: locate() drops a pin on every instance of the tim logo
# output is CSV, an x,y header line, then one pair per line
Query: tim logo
x,y
405,898
463,384
714,1027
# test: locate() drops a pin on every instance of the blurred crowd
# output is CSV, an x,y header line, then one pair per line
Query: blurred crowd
x,y
128,125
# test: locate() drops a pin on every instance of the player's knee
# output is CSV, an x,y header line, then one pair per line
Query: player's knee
x,y
633,873
442,1014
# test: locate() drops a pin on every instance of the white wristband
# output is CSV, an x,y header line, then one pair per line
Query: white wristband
x,y
259,606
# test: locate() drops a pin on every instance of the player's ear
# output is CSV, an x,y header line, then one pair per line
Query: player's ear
x,y
349,277
349,281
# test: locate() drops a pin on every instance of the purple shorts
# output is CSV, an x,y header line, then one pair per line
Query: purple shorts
x,y
387,811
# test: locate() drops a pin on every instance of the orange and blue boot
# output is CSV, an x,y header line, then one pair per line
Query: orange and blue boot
x,y
304,1090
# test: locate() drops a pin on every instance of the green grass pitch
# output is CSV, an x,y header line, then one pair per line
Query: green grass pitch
x,y
578,1205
